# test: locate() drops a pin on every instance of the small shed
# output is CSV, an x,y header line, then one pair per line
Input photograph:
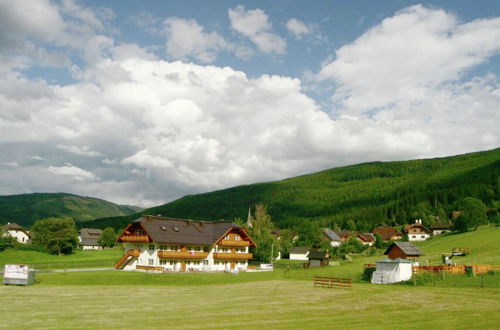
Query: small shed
x,y
299,253
403,250
392,271
318,258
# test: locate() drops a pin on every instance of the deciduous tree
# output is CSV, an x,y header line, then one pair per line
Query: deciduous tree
x,y
58,235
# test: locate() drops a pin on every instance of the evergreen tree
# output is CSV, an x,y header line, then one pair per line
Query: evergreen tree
x,y
473,212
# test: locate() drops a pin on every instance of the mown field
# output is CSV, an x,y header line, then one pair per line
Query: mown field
x,y
78,259
281,299
249,305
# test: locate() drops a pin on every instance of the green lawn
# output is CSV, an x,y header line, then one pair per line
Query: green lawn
x,y
40,260
249,305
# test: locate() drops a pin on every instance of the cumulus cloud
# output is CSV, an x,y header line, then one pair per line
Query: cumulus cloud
x,y
298,28
254,25
408,56
188,38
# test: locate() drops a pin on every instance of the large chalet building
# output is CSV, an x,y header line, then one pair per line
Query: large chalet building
x,y
167,244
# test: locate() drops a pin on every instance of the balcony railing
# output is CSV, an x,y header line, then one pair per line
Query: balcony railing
x,y
182,255
226,242
135,238
233,256
134,253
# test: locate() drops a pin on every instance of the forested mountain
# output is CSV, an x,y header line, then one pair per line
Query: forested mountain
x,y
355,197
27,208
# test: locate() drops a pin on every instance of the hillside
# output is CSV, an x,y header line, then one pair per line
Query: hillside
x,y
27,208
353,196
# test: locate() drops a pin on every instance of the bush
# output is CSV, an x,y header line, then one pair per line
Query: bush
x,y
367,274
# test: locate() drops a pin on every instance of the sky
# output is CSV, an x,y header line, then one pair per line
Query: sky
x,y
143,102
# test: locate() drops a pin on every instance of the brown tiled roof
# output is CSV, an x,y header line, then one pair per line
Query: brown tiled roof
x,y
440,225
408,248
343,233
385,232
165,230
367,237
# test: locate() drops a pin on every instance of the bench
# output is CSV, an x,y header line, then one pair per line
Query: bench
x,y
333,282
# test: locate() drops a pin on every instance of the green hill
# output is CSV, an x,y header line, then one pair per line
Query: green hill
x,y
353,196
27,208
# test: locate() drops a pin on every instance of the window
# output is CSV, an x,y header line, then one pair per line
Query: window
x,y
205,262
163,247
163,262
151,262
236,237
414,236
151,246
422,236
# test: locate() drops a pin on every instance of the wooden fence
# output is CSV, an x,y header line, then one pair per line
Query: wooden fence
x,y
333,282
459,269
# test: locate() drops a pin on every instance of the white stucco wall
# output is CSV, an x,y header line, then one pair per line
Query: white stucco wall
x,y
19,235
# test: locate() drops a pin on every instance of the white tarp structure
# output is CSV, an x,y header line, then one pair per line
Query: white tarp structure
x,y
392,271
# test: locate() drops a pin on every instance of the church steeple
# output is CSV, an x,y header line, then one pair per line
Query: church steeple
x,y
249,218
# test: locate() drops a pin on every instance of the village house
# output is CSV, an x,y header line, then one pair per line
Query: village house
x,y
331,237
417,231
299,253
388,233
88,238
366,239
439,228
344,234
14,230
168,244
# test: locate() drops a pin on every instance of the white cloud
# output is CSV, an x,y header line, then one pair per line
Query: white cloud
x,y
254,25
74,172
298,28
79,150
188,38
407,56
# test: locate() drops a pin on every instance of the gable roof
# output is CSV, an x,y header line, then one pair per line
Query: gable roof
x,y
344,233
367,237
331,235
318,254
15,226
408,248
386,232
298,250
90,232
440,225
165,230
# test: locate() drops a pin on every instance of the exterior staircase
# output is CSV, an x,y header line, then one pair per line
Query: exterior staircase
x,y
127,257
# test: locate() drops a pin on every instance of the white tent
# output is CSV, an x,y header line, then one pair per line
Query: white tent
x,y
392,271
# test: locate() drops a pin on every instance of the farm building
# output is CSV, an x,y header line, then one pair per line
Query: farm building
x,y
392,271
439,228
299,253
331,237
168,244
417,231
17,232
403,250
89,238
318,258
388,233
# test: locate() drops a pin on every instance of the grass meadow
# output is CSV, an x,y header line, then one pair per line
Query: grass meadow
x,y
282,299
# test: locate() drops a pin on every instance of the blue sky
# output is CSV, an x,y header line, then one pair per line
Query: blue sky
x,y
142,102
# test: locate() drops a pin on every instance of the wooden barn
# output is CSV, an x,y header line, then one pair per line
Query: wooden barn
x,y
403,250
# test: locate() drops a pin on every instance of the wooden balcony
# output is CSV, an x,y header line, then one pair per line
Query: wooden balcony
x,y
233,256
181,255
135,238
240,243
134,253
